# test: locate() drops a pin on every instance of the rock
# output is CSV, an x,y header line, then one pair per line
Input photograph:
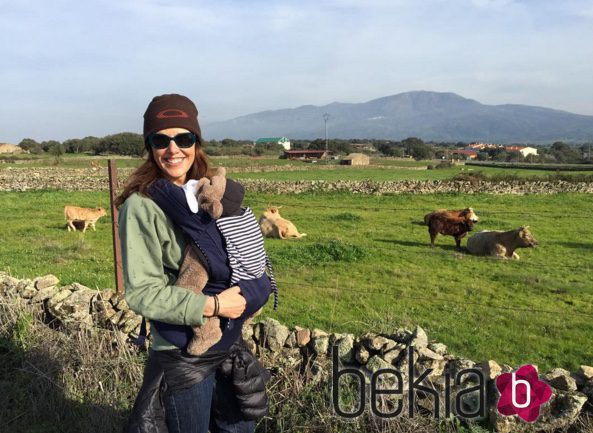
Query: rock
x,y
403,335
28,292
345,347
318,333
559,378
586,372
582,375
251,345
419,338
376,363
45,293
73,309
106,295
8,284
303,337
439,348
46,281
426,353
362,355
114,320
291,340
276,334
562,411
121,304
247,332
319,345
377,343
58,297
128,314
394,355
131,324
490,368
104,313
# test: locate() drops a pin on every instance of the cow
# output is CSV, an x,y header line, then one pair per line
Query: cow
x,y
501,244
454,223
272,225
88,216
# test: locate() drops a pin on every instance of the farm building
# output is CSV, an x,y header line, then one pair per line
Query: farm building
x,y
355,159
464,154
523,150
283,141
364,147
10,148
304,154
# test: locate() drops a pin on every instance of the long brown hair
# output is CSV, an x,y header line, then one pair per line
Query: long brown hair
x,y
141,179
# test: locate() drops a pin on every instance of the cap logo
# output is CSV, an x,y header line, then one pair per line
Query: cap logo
x,y
172,113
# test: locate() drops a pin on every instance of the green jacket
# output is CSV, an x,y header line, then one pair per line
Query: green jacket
x,y
152,250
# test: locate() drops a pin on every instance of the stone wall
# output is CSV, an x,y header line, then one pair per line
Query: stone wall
x,y
77,306
96,179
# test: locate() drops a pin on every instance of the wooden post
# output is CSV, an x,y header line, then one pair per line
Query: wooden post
x,y
119,275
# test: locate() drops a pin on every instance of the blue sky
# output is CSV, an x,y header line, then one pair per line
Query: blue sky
x,y
77,68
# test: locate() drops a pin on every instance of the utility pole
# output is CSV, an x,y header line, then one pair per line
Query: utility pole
x,y
325,119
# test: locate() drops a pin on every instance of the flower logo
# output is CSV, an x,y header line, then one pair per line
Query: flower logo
x,y
522,393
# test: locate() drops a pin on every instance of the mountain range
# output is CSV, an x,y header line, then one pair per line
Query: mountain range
x,y
428,115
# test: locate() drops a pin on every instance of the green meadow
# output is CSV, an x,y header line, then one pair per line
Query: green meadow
x,y
366,264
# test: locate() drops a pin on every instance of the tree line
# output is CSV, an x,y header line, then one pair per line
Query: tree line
x,y
132,144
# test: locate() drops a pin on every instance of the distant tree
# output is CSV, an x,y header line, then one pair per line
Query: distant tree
x,y
410,142
124,143
422,151
30,145
57,150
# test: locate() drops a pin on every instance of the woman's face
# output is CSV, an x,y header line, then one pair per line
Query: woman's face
x,y
174,161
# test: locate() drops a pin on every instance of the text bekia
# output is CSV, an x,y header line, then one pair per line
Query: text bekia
x,y
470,401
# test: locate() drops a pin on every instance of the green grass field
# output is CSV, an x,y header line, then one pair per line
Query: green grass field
x,y
365,265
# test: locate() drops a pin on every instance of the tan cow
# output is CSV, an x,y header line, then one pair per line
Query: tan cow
x,y
501,244
88,216
272,225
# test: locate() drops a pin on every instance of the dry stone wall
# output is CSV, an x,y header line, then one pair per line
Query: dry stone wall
x,y
77,306
96,179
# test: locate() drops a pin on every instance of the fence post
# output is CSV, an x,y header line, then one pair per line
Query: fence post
x,y
119,277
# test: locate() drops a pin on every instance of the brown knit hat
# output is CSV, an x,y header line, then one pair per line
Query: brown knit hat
x,y
171,111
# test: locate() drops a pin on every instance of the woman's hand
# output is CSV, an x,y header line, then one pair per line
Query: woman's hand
x,y
231,304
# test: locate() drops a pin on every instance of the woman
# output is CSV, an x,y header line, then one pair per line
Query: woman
x,y
195,395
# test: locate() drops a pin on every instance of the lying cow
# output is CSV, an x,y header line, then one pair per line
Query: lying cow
x,y
452,223
88,216
501,244
272,225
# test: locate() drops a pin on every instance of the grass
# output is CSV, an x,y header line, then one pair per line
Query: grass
x,y
365,265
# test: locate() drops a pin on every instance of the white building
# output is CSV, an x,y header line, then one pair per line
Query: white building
x,y
285,142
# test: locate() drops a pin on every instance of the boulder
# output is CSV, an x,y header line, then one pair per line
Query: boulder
x,y
276,334
303,336
319,345
419,338
561,379
45,293
490,368
376,363
46,281
362,355
345,346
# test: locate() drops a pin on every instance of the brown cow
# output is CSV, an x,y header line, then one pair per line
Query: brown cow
x,y
453,223
88,216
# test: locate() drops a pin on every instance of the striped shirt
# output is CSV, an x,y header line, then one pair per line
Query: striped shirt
x,y
245,248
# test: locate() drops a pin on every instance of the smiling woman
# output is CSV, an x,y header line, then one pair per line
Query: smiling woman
x,y
199,395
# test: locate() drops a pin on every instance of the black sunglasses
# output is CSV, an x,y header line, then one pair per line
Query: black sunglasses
x,y
161,141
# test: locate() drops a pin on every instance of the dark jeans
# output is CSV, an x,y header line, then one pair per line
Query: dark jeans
x,y
209,403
